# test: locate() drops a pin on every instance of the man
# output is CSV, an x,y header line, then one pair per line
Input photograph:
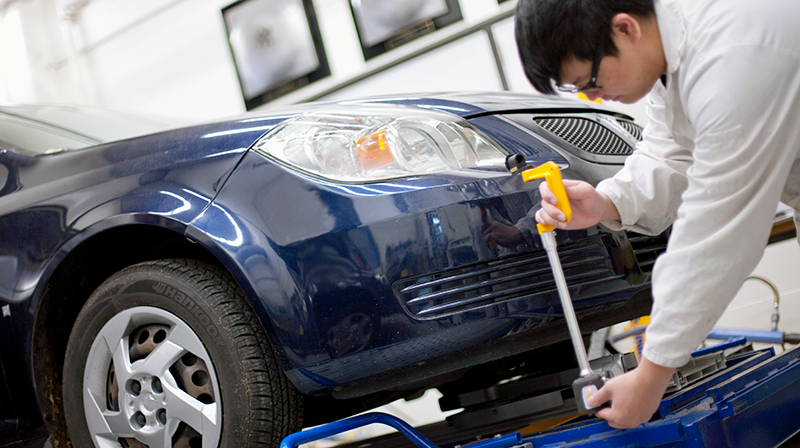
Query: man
x,y
718,153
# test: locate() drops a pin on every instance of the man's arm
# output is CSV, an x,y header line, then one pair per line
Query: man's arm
x,y
643,196
745,146
647,190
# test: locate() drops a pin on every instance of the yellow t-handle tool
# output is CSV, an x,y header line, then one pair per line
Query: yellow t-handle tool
x,y
589,381
550,172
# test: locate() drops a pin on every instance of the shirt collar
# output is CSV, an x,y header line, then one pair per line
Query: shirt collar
x,y
673,32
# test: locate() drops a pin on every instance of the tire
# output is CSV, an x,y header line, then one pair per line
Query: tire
x,y
169,354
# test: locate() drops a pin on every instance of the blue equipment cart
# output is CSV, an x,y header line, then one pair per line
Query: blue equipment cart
x,y
753,402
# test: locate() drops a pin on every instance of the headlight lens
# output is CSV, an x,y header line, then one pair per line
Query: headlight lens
x,y
377,143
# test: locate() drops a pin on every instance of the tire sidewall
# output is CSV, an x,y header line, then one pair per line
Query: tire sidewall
x,y
135,287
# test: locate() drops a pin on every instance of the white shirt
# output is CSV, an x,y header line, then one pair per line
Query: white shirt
x,y
719,151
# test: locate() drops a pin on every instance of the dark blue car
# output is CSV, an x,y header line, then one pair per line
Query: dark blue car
x,y
228,283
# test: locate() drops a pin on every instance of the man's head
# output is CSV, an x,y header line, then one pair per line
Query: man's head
x,y
566,40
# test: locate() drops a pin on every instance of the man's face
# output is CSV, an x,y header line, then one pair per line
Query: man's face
x,y
620,79
629,75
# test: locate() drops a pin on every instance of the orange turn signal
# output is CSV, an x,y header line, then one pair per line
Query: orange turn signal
x,y
373,151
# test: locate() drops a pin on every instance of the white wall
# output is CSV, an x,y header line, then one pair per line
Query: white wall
x,y
752,307
155,56
171,57
467,64
158,56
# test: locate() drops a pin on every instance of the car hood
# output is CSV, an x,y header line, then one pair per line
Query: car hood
x,y
465,104
469,104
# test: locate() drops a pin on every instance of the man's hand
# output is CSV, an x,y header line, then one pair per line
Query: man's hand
x,y
634,396
589,206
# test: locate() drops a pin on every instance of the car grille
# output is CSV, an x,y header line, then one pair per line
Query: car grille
x,y
647,248
632,128
589,136
586,262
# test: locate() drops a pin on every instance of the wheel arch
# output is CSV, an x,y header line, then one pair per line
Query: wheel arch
x,y
69,281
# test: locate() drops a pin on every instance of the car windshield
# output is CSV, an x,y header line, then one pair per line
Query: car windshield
x,y
42,129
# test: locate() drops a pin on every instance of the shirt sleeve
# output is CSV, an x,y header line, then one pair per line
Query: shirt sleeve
x,y
647,190
745,145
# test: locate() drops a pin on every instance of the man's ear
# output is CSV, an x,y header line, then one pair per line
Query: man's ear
x,y
627,27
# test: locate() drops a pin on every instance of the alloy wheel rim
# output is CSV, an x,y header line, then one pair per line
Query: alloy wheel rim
x,y
149,382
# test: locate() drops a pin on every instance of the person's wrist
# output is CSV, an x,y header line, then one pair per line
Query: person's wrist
x,y
658,373
610,211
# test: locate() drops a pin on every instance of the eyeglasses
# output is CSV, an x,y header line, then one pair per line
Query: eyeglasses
x,y
590,86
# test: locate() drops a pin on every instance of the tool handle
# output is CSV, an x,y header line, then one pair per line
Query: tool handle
x,y
550,172
586,386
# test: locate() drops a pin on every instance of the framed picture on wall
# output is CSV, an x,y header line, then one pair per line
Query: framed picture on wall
x,y
276,47
386,24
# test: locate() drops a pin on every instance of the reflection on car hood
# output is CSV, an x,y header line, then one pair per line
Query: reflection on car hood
x,y
97,123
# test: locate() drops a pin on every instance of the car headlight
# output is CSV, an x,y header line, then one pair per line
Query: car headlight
x,y
379,143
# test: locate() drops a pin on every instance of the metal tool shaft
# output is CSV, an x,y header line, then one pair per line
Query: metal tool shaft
x,y
549,243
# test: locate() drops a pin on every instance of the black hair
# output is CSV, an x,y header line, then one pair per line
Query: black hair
x,y
549,32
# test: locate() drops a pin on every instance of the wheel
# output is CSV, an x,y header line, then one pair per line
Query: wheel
x,y
169,354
